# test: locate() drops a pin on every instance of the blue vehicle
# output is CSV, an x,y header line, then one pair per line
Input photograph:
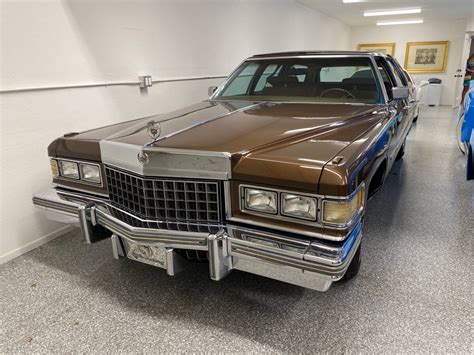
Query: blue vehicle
x,y
467,132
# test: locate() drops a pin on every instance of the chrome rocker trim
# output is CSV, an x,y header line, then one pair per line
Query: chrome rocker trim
x,y
304,262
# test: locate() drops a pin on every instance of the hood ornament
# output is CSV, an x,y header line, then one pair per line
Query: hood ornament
x,y
154,130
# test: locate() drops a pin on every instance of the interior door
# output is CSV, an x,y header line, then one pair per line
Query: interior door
x,y
459,76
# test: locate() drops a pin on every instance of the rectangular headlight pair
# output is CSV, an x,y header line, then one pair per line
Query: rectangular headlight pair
x,y
76,170
336,213
292,205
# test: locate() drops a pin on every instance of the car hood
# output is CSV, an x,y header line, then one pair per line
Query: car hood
x,y
285,144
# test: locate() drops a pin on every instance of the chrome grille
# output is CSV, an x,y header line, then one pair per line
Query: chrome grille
x,y
165,200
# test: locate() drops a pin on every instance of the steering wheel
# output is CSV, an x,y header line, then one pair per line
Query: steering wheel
x,y
348,94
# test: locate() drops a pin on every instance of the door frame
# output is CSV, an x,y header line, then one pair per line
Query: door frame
x,y
459,75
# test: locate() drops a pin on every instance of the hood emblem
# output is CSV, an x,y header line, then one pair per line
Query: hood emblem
x,y
143,158
154,130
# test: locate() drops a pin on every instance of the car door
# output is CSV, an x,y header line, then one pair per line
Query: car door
x,y
401,107
412,93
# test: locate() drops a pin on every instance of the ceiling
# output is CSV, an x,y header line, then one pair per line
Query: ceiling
x,y
432,10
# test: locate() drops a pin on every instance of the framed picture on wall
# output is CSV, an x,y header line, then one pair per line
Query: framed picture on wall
x,y
383,48
426,57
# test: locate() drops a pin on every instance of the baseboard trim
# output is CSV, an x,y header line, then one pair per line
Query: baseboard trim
x,y
34,244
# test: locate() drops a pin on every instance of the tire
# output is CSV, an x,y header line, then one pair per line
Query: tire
x,y
354,267
401,152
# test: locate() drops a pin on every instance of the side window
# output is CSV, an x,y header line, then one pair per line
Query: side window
x,y
240,85
388,80
384,75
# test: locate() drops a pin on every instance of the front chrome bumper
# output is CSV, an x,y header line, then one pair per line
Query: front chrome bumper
x,y
301,261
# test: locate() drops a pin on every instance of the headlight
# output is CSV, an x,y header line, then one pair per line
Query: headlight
x,y
261,200
299,206
69,169
90,173
341,212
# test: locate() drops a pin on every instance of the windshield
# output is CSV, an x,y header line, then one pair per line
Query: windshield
x,y
323,79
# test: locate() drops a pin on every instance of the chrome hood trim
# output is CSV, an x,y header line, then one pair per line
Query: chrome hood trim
x,y
166,162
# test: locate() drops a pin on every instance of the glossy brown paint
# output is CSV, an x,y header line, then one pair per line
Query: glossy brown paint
x,y
285,145
282,144
85,145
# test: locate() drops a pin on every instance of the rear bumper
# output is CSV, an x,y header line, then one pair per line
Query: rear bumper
x,y
301,261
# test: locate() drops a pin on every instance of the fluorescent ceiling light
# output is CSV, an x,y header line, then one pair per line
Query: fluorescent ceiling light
x,y
349,1
404,22
392,12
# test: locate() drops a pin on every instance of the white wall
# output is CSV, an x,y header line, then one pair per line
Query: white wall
x,y
470,22
452,31
54,42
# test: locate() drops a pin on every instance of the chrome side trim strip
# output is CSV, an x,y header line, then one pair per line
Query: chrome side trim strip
x,y
65,207
298,232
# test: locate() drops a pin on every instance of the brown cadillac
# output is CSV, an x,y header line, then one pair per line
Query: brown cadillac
x,y
270,176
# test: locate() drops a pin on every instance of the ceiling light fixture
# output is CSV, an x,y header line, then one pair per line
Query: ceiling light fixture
x,y
392,12
404,22
350,1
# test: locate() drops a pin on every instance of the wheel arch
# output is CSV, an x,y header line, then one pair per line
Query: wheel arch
x,y
376,177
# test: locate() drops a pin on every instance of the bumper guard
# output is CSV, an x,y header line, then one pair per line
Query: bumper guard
x,y
301,261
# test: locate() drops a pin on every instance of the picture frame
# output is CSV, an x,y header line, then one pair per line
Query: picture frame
x,y
426,57
383,48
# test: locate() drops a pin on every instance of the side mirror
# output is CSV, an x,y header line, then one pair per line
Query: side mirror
x,y
211,90
400,93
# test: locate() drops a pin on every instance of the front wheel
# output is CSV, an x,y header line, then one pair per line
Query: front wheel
x,y
354,267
